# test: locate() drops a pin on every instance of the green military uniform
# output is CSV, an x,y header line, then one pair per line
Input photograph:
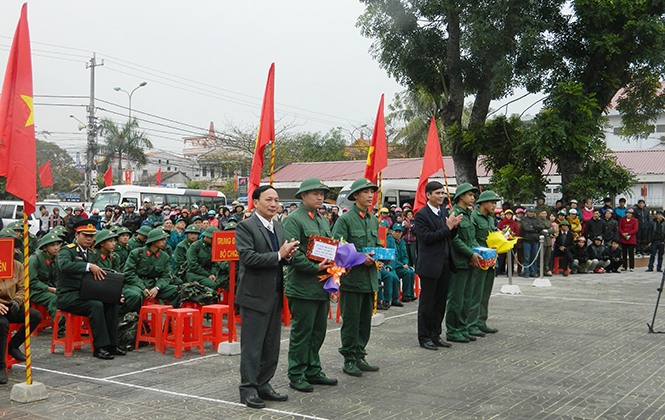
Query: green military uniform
x,y
308,302
200,265
145,269
33,241
461,287
407,275
134,242
121,251
358,287
484,279
44,274
180,253
72,262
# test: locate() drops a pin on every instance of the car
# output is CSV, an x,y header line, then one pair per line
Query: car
x,y
11,211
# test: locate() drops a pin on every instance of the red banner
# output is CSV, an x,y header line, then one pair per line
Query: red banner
x,y
224,246
128,177
6,258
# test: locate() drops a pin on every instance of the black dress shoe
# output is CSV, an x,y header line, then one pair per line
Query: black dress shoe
x,y
116,351
458,340
16,353
406,299
397,303
429,345
253,401
3,376
271,395
102,354
441,343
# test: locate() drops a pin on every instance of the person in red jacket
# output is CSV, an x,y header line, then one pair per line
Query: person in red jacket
x,y
627,237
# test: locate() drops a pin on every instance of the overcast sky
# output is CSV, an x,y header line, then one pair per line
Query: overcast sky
x,y
203,61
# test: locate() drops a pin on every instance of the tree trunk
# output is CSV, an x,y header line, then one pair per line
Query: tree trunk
x,y
568,168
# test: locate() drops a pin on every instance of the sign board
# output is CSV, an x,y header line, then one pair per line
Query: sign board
x,y
128,177
224,246
383,235
242,185
6,258
70,196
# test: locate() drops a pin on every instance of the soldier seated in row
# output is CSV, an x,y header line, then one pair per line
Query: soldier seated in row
x,y
149,268
180,254
33,241
74,260
139,240
121,247
200,267
44,272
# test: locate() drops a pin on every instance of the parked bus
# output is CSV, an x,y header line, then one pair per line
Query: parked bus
x,y
181,197
394,191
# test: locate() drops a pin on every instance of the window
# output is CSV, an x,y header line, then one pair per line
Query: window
x,y
175,169
168,168
167,161
616,130
7,211
660,128
204,171
160,161
145,173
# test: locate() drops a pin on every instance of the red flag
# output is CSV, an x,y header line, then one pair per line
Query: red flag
x,y
432,162
159,176
45,175
108,177
265,136
377,156
18,162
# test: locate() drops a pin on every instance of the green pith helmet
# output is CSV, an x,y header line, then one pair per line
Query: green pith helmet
x,y
60,231
462,189
114,229
15,226
122,230
488,196
311,184
144,230
361,184
209,230
49,238
565,223
192,229
103,235
7,234
155,235
231,225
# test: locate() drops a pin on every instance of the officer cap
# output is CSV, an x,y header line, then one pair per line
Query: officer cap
x,y
103,235
462,189
192,229
311,184
196,218
231,225
384,223
397,226
49,238
86,226
361,184
488,195
155,235
209,231
145,230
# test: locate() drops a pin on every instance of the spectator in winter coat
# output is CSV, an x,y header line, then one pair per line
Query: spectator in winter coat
x,y
594,226
656,241
579,256
627,230
643,223
614,252
563,241
610,228
598,255
575,224
587,212
620,211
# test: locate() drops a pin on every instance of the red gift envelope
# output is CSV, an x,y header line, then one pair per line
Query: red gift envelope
x,y
320,248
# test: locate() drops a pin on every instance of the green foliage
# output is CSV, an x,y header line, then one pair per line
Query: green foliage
x,y
64,172
123,141
310,147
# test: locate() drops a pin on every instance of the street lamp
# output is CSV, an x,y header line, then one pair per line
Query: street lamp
x,y
129,94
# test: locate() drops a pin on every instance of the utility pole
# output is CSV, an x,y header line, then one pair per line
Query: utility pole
x,y
90,168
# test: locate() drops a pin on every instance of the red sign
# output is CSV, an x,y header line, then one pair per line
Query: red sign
x,y
128,177
383,235
224,246
6,258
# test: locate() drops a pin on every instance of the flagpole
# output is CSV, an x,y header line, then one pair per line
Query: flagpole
x,y
272,159
26,305
380,179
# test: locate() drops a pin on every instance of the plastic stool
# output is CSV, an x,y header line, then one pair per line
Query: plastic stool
x,y
147,301
72,339
192,305
556,268
286,313
215,334
416,288
46,318
186,330
9,360
153,315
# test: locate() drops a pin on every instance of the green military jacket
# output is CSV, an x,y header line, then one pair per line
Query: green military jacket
x,y
134,243
43,272
484,225
72,263
33,244
302,279
464,240
146,269
362,230
108,261
401,256
200,264
180,258
121,252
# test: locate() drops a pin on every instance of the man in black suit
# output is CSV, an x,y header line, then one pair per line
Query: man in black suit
x,y
561,245
434,230
260,296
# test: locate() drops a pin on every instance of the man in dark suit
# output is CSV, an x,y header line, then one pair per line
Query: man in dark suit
x,y
434,230
561,245
260,296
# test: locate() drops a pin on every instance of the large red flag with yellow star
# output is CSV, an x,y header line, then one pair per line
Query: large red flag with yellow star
x,y
377,156
432,163
18,162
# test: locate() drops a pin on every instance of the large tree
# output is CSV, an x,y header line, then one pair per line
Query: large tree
x,y
126,140
452,49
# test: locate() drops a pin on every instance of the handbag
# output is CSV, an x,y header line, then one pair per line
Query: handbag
x,y
108,290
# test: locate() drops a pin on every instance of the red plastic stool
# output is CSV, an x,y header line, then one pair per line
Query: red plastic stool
x,y
72,339
416,288
192,305
9,360
46,318
147,301
556,268
153,315
186,330
215,334
286,313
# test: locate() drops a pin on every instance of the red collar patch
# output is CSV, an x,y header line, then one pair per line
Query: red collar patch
x,y
48,262
361,214
309,213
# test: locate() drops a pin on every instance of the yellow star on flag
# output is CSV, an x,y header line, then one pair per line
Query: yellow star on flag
x,y
369,156
31,117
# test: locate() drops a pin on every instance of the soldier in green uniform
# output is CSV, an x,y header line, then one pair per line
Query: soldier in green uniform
x,y
200,266
44,272
18,250
74,261
461,282
33,241
357,289
308,302
483,222
400,265
138,241
180,254
149,268
61,231
121,248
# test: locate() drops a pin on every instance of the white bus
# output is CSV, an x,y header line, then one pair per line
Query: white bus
x,y
394,191
118,194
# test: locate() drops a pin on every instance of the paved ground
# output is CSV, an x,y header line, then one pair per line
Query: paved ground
x,y
577,350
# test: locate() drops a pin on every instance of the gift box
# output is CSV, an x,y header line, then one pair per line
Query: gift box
x,y
485,253
382,254
320,248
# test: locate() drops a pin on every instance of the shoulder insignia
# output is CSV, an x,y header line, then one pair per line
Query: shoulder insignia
x,y
71,245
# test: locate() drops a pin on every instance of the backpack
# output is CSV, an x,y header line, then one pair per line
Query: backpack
x,y
195,292
127,329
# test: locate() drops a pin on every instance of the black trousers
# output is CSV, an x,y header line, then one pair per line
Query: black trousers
x,y
103,319
259,347
19,337
432,305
